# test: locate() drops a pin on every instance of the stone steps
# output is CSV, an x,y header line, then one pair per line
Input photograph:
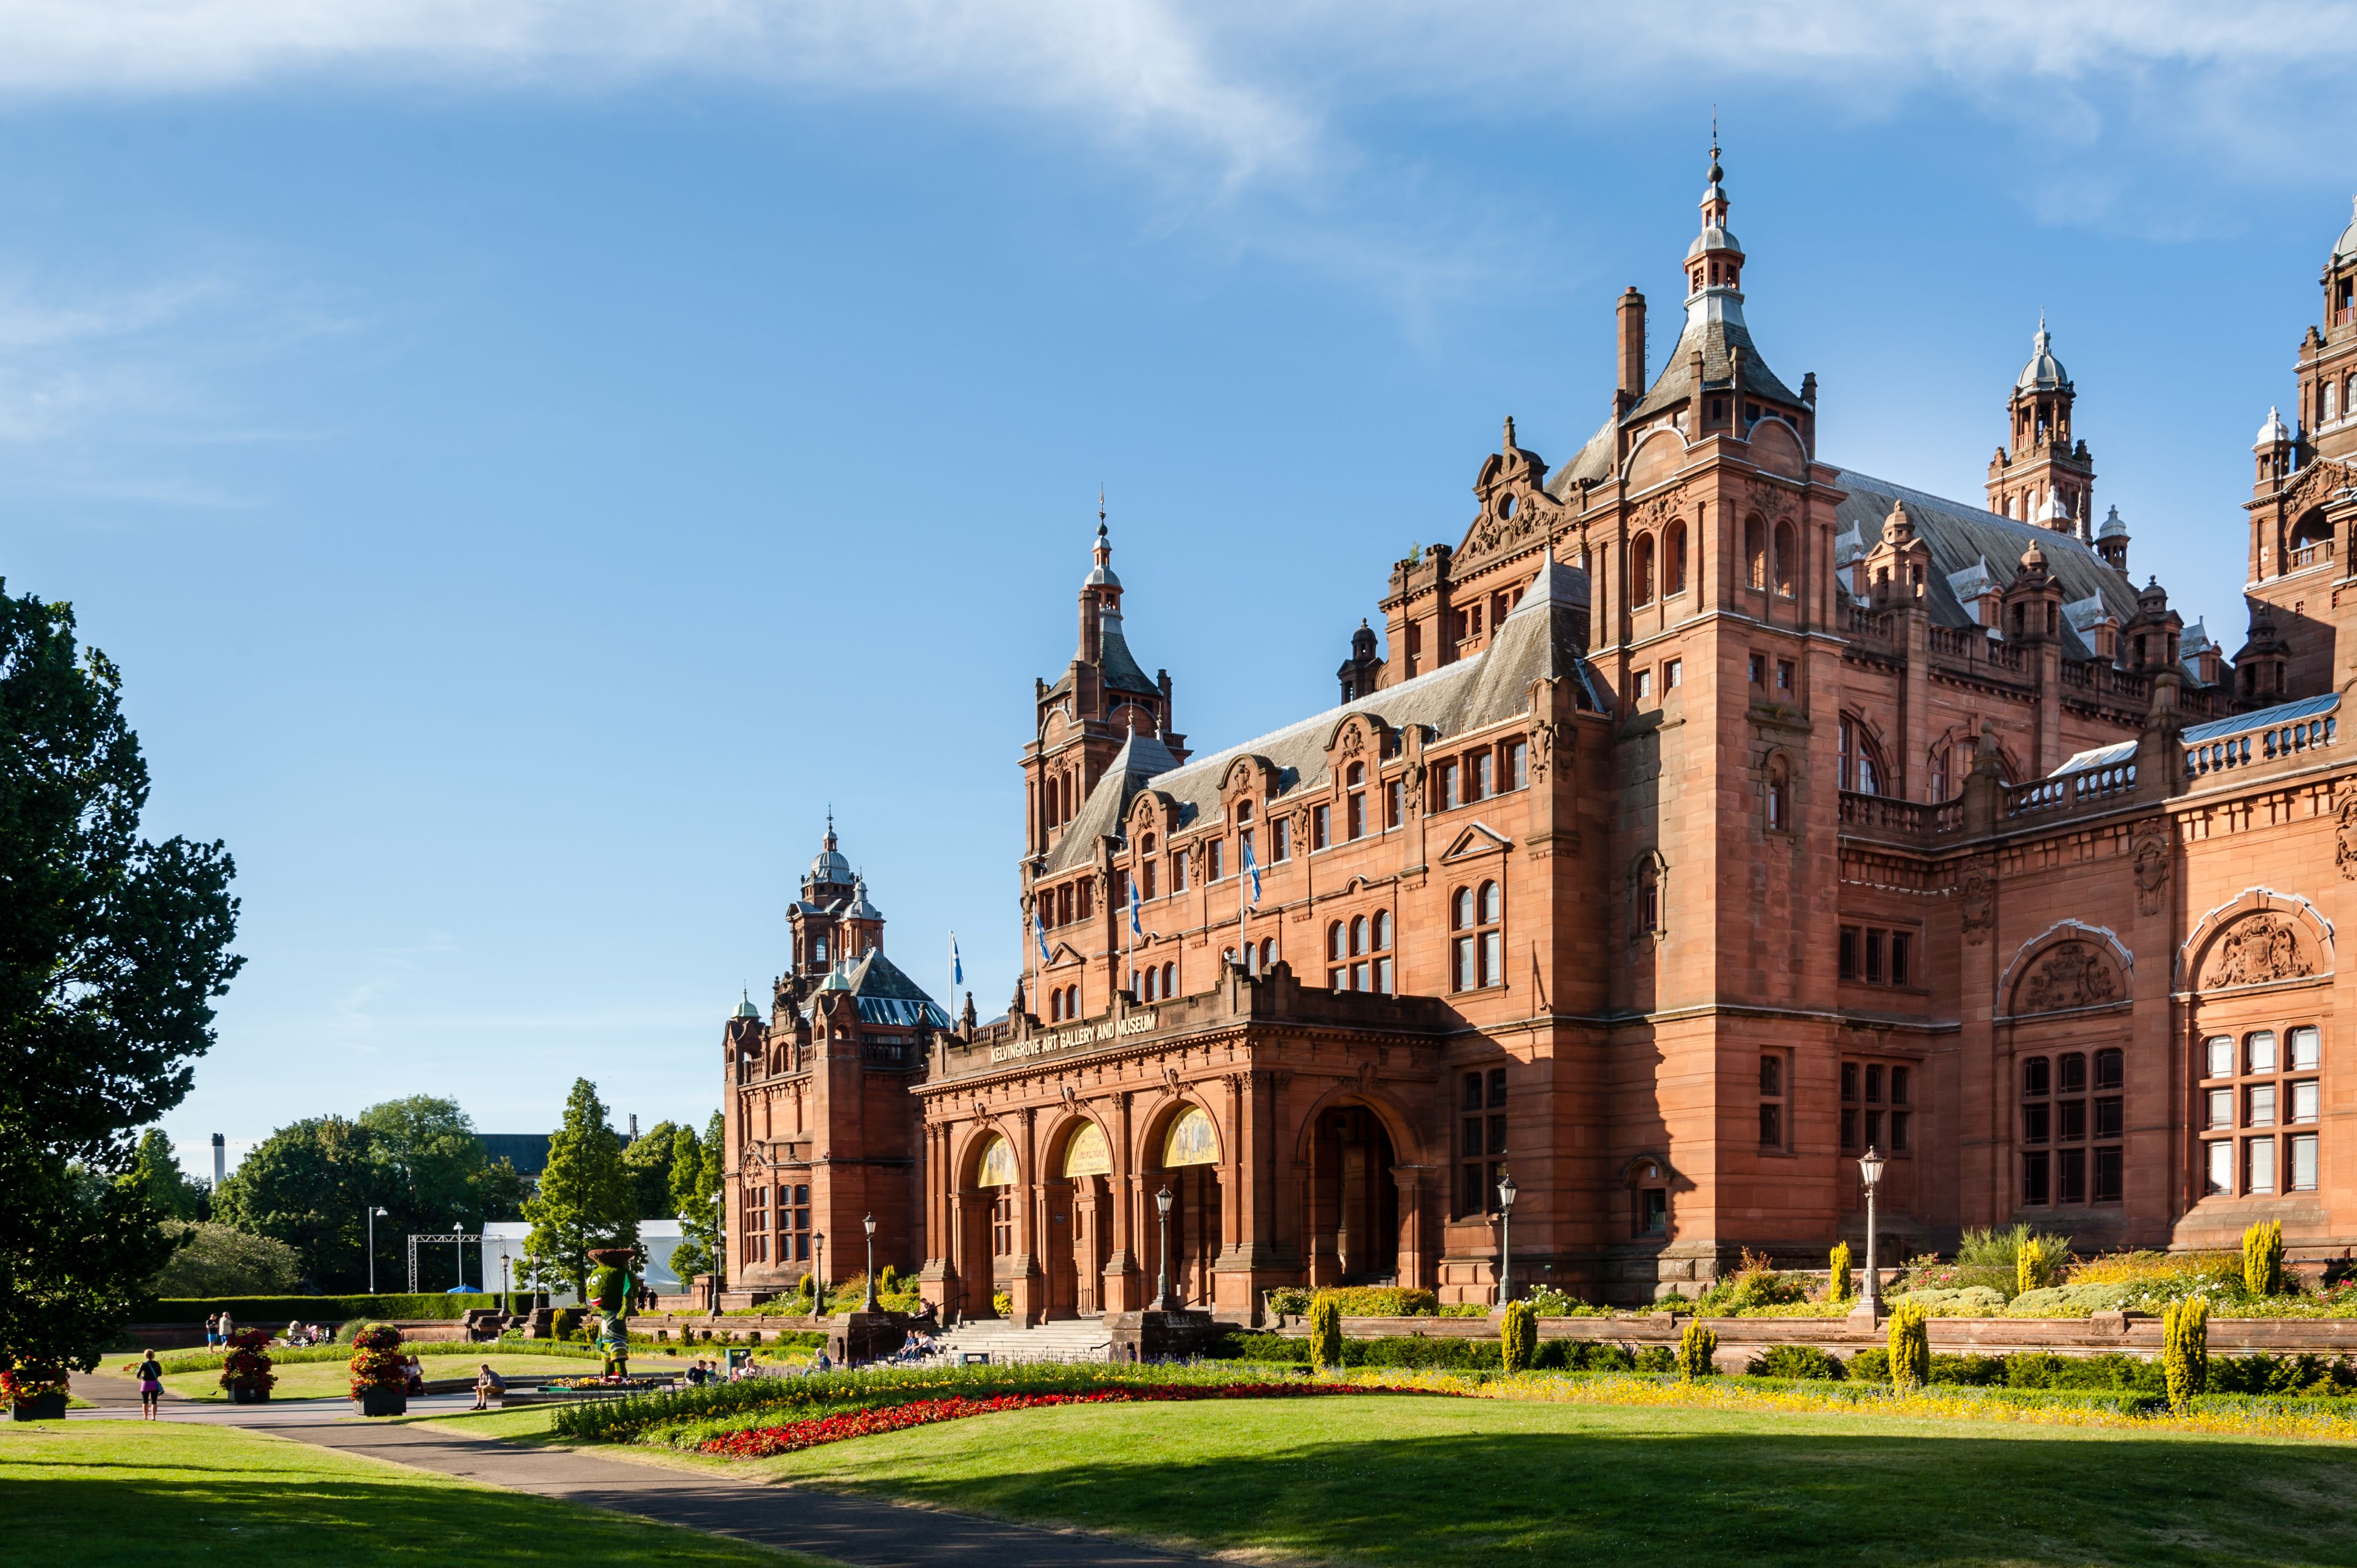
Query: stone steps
x,y
1069,1340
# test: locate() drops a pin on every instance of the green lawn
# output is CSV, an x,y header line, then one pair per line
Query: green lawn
x,y
333,1379
1407,1481
155,1494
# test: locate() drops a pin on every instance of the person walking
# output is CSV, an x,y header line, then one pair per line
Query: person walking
x,y
150,1373
212,1330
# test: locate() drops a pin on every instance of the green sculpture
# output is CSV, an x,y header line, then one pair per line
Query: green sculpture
x,y
611,1289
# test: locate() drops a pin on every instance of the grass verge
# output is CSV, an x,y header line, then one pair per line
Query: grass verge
x,y
95,1494
1391,1480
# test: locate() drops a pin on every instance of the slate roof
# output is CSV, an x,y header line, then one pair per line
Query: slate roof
x,y
1960,537
1538,639
1715,334
885,994
2216,729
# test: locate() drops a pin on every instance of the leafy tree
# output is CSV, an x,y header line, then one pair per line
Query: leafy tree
x,y
112,950
310,1186
156,1171
585,1199
648,1161
695,1197
219,1261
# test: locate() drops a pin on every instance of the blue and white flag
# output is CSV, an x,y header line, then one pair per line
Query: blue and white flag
x,y
1041,931
1252,872
957,966
1136,905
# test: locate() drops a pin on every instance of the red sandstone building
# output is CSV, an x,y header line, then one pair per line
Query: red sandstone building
x,y
1712,813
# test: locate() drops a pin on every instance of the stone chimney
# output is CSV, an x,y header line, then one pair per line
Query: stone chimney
x,y
1633,348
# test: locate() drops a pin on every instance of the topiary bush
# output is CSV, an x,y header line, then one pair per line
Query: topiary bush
x,y
2263,1258
1793,1361
1911,1346
1518,1336
1325,1331
2185,1354
1837,1272
1697,1352
2039,1262
1656,1358
562,1322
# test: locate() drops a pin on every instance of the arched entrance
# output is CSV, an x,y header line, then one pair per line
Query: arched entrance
x,y
1354,1198
1190,1159
991,1229
1079,1203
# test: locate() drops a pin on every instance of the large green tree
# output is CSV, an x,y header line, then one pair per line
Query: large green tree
x,y
695,1199
585,1199
648,1161
112,951
311,1186
155,1170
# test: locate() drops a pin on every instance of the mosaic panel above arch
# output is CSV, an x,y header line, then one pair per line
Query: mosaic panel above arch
x,y
1086,1154
1190,1140
996,1167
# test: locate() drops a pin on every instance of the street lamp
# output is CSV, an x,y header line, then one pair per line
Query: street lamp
x,y
1506,1191
1162,1286
507,1293
373,1213
869,1305
1869,1171
818,1273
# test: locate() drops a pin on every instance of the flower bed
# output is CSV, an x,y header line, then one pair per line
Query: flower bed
x,y
761,1441
245,1371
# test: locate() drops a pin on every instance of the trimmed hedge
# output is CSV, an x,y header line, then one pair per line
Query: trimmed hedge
x,y
277,1311
1416,1350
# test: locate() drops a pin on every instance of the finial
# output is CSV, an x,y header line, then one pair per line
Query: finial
x,y
1716,173
1510,434
1101,511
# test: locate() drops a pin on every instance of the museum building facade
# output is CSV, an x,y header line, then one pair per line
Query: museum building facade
x,y
1708,815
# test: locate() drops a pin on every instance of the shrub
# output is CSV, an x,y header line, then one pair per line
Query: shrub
x,y
563,1322
1837,1272
1755,1284
1911,1346
1656,1358
1288,1301
2070,1300
276,1310
1793,1361
221,1261
2039,1262
1972,1301
2185,1357
1468,1309
1697,1350
1518,1336
1325,1331
1871,1365
1546,1301
1384,1301
1002,1302
2263,1258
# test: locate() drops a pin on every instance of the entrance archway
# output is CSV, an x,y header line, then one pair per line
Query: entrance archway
x,y
990,1224
1081,1204
1188,1153
1354,1198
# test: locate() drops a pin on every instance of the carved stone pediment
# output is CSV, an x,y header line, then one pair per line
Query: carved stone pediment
x,y
2069,974
2256,950
2318,483
1535,514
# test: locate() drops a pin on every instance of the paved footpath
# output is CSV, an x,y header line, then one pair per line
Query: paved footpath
x,y
868,1532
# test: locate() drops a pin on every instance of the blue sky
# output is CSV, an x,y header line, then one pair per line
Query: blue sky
x,y
528,461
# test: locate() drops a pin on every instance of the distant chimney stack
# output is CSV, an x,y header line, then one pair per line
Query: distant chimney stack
x,y
1632,346
220,1161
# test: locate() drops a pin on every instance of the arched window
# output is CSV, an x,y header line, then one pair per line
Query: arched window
x,y
1476,952
1755,551
1056,1006
1146,987
1861,763
1072,1002
1674,560
1942,786
1380,939
1334,940
1267,953
1358,935
2331,401
1170,979
1640,570
1788,561
1779,796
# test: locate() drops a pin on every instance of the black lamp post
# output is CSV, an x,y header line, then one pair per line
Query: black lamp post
x,y
1162,1286
1506,1191
869,1305
1869,1171
818,1273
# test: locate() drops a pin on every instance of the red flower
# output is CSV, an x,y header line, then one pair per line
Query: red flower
x,y
756,1443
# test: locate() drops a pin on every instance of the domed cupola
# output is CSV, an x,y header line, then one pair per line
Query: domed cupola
x,y
828,868
2044,372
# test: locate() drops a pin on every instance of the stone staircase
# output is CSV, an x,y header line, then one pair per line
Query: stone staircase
x,y
1071,1339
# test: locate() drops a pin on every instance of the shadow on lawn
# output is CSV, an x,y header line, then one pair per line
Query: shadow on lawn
x,y
1678,1499
156,1521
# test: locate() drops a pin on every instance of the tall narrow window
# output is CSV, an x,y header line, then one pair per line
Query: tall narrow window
x,y
1355,806
1755,553
1771,1100
1280,838
1481,1138
1515,764
1381,945
1215,856
1479,774
1337,972
1779,796
1640,570
1394,803
1321,826
1462,962
1674,560
1445,785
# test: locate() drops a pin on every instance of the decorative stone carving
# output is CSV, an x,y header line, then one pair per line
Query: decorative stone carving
x,y
1534,516
2319,482
2344,810
1772,501
2256,950
2069,974
1978,889
2150,851
1414,781
1544,740
1353,742
1658,511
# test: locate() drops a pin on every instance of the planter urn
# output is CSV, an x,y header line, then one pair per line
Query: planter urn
x,y
383,1401
42,1407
